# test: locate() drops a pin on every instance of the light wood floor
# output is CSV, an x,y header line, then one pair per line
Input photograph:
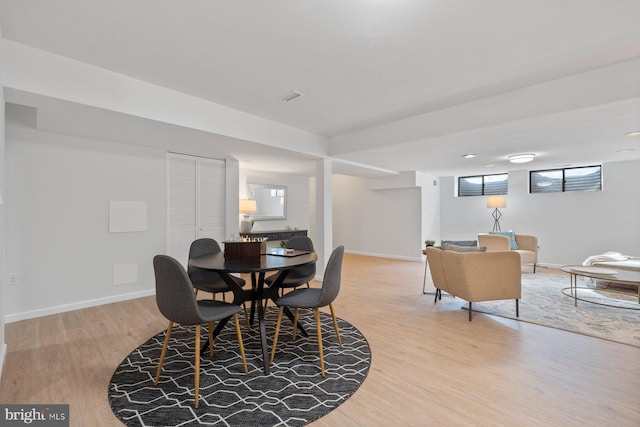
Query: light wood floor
x,y
430,365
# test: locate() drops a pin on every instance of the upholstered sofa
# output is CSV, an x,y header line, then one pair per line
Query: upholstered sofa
x,y
476,276
525,245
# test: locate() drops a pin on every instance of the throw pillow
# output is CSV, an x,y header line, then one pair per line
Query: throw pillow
x,y
457,248
459,242
511,235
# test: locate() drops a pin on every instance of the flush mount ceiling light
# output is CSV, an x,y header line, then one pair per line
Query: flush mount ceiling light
x,y
521,158
469,156
634,133
291,96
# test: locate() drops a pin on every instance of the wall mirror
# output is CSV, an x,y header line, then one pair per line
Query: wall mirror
x,y
271,201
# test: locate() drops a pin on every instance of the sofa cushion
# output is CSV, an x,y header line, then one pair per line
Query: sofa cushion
x,y
458,248
511,235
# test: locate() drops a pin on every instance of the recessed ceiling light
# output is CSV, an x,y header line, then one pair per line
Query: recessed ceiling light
x,y
291,96
634,133
521,158
489,166
469,156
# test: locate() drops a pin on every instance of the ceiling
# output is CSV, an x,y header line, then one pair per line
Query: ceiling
x,y
394,85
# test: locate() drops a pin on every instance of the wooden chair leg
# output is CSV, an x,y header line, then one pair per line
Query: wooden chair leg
x,y
164,351
318,327
239,333
196,391
295,324
211,326
275,336
335,324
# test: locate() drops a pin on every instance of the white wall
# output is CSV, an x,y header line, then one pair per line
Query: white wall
x,y
385,223
570,226
430,189
297,199
58,194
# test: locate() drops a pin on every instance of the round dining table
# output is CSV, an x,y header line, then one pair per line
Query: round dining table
x,y
283,263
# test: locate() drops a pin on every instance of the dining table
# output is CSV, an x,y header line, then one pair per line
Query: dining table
x,y
278,261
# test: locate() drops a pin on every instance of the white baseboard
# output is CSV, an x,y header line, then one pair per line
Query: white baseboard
x,y
9,318
548,265
403,258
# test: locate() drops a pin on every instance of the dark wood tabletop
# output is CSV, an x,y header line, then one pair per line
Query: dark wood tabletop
x,y
266,263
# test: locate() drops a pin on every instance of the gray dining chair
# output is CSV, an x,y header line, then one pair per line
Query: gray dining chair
x,y
210,281
177,302
299,275
314,298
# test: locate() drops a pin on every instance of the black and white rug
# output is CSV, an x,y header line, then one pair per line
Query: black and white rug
x,y
293,394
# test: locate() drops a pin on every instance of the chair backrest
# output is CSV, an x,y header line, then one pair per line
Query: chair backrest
x,y
332,277
494,242
201,247
174,291
303,243
483,276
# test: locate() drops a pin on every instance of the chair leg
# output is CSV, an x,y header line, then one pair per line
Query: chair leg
x,y
246,315
534,268
335,324
196,391
211,326
164,351
295,325
469,311
317,313
239,333
517,308
275,337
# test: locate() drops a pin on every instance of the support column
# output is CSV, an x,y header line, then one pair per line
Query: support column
x,y
324,213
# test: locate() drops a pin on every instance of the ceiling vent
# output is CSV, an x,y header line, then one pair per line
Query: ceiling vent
x,y
291,96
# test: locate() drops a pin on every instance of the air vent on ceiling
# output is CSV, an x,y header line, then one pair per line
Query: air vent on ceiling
x,y
291,96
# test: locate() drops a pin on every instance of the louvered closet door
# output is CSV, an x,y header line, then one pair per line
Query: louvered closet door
x,y
195,202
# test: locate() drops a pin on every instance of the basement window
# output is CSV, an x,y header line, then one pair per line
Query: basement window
x,y
585,178
482,185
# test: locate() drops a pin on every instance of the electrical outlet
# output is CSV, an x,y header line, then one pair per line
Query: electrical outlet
x,y
13,279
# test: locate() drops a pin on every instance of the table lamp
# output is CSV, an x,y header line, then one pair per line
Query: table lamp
x,y
247,206
495,202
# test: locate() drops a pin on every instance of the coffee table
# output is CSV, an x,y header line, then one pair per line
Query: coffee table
x,y
626,277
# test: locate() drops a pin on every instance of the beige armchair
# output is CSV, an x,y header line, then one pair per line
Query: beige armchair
x,y
477,276
527,246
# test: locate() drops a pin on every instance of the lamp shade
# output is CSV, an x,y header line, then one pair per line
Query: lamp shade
x,y
494,202
248,206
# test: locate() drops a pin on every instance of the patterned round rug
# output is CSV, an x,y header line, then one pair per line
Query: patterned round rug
x,y
293,394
